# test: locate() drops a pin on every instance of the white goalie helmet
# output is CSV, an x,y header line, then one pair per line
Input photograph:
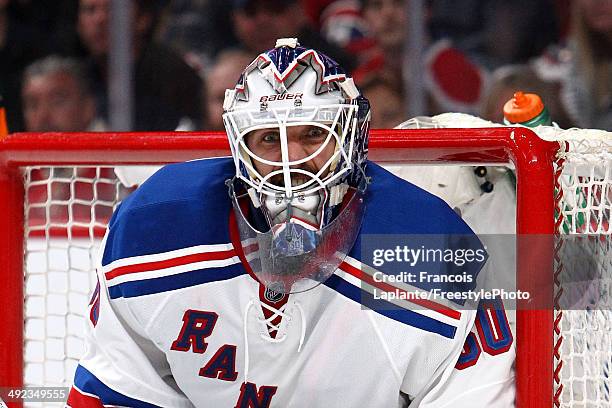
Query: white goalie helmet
x,y
298,130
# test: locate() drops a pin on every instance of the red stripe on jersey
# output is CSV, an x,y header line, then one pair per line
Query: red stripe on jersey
x,y
235,238
168,263
428,304
76,399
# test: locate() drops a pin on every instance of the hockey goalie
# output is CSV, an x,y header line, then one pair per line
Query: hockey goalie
x,y
246,281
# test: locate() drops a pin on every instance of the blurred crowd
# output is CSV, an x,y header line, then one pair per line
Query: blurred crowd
x,y
54,57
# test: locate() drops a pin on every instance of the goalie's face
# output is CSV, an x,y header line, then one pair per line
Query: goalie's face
x,y
308,146
292,151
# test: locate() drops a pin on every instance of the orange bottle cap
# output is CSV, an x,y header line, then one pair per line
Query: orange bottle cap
x,y
523,107
3,125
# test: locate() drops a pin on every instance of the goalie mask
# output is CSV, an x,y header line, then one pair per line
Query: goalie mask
x,y
298,130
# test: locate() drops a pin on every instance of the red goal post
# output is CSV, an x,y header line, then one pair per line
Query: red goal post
x,y
533,159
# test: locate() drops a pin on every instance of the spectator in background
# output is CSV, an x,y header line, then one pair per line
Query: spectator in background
x,y
496,32
387,102
339,21
452,81
166,89
586,86
223,75
199,29
20,44
575,81
57,97
387,22
258,23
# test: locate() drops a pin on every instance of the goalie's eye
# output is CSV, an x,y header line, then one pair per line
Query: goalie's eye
x,y
271,137
315,134
263,138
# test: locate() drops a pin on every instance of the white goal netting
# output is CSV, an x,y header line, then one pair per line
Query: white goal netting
x,y
66,212
583,280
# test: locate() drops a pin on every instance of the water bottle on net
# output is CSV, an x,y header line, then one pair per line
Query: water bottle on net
x,y
3,126
526,109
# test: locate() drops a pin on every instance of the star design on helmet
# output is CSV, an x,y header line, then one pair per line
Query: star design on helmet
x,y
283,65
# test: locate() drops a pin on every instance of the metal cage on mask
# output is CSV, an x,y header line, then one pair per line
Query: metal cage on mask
x,y
311,216
339,121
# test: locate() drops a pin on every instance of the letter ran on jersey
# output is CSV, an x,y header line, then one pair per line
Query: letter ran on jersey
x,y
251,397
197,325
222,365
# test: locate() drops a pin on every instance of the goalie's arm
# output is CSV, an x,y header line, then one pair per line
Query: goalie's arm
x,y
122,366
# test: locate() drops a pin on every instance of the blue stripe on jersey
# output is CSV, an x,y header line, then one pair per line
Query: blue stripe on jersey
x,y
173,282
87,382
181,206
388,309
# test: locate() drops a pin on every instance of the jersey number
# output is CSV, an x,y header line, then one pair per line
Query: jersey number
x,y
494,334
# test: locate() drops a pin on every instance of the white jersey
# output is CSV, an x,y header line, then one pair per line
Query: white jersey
x,y
178,321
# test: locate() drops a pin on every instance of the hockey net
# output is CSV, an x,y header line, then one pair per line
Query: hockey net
x,y
583,334
58,193
582,302
66,212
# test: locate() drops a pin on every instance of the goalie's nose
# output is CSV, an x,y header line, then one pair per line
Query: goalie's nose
x,y
297,150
